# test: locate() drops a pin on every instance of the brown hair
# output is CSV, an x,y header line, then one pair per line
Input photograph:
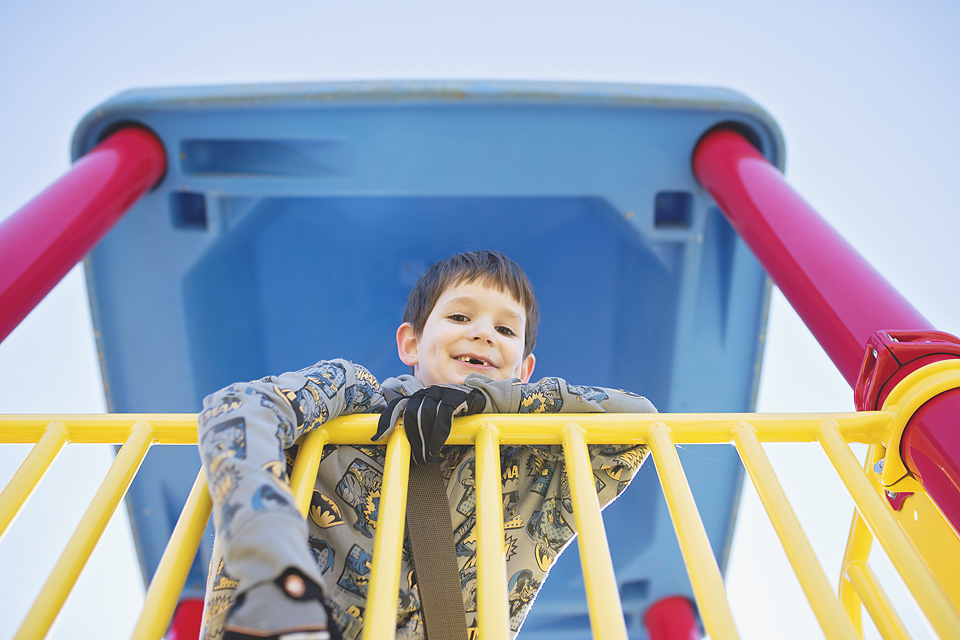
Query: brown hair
x,y
490,268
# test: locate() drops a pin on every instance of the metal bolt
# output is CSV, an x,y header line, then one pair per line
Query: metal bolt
x,y
892,495
878,468
874,353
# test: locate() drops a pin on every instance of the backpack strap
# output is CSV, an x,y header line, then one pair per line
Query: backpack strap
x,y
434,554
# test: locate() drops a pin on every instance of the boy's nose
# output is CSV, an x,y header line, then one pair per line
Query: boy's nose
x,y
482,332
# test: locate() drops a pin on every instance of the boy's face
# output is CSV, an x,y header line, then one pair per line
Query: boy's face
x,y
472,329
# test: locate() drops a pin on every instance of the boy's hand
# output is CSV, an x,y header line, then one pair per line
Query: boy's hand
x,y
428,416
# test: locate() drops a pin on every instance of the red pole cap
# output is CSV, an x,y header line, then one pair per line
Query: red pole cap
x,y
672,618
186,620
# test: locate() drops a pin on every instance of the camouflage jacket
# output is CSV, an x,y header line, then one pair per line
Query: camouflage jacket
x,y
246,437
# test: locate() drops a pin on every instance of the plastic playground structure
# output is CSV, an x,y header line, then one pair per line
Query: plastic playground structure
x,y
677,191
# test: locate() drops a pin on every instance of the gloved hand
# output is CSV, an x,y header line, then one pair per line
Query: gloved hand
x,y
428,415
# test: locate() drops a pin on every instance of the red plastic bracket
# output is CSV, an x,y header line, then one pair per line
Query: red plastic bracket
x,y
930,443
893,355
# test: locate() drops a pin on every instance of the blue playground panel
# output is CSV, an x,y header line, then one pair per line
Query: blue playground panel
x,y
293,220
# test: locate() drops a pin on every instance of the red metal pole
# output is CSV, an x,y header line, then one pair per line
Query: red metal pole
x,y
672,619
42,241
844,302
839,296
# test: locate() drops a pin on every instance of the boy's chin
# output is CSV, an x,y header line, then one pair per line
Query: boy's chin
x,y
447,380
446,377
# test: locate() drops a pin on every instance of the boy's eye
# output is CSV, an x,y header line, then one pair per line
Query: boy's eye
x,y
458,317
507,331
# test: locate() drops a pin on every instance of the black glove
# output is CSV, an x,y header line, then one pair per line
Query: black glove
x,y
428,415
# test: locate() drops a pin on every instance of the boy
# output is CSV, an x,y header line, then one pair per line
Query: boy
x,y
468,333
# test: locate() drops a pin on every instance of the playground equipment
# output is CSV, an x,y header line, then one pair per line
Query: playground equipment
x,y
283,210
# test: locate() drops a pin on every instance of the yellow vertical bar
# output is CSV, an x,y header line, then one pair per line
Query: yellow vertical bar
x,y
858,548
694,545
931,598
876,601
304,476
491,564
603,595
29,474
380,621
815,585
175,564
859,542
65,573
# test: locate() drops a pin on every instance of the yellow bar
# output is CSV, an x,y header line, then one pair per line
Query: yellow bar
x,y
30,473
304,476
101,428
815,585
701,564
380,620
876,601
858,549
859,542
94,521
686,428
603,595
171,574
931,598
494,624
599,428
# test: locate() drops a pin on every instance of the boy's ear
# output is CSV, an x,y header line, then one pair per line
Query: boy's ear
x,y
526,369
408,346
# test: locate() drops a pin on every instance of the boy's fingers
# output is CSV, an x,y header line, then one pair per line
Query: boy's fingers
x,y
441,429
426,423
418,420
429,414
412,428
476,402
389,417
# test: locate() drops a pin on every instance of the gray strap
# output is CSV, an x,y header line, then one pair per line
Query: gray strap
x,y
434,554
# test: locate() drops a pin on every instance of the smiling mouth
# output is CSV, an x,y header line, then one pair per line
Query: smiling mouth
x,y
474,360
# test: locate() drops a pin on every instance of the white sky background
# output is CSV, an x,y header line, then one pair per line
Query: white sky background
x,y
866,95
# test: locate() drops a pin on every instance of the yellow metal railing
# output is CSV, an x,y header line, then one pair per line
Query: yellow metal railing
x,y
935,590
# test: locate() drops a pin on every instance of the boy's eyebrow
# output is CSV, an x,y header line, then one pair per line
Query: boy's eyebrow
x,y
471,300
516,316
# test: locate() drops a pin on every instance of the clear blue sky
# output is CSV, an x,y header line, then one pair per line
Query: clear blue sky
x,y
866,95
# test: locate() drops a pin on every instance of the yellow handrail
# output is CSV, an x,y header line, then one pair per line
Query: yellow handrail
x,y
380,622
171,574
65,573
662,432
825,606
603,597
30,472
493,621
701,564
930,596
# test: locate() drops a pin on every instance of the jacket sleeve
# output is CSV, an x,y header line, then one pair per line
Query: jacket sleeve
x,y
613,465
555,395
243,431
292,404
